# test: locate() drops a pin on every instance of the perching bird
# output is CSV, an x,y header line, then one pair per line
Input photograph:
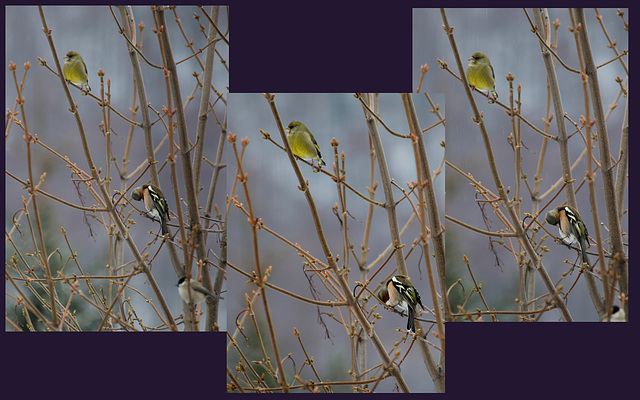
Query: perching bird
x,y
480,74
198,292
617,315
302,142
572,229
400,292
383,294
75,71
154,202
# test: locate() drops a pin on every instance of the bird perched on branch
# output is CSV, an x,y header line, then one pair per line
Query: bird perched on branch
x,y
302,142
400,292
154,202
193,291
617,315
572,229
480,74
75,71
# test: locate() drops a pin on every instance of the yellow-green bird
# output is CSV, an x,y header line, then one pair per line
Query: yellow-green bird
x,y
302,142
480,74
75,71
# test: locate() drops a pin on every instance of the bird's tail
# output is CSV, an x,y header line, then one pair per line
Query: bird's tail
x,y
163,221
411,324
583,249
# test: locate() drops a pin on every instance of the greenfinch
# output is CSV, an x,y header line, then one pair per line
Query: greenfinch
x,y
302,142
154,202
480,74
75,71
572,229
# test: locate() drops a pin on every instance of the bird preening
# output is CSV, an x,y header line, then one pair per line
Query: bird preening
x,y
400,292
154,202
572,229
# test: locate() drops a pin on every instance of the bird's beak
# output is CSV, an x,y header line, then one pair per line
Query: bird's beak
x,y
470,58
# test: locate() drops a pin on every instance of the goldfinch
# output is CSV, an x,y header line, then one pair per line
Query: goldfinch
x,y
480,74
302,142
75,71
192,291
400,292
154,202
572,229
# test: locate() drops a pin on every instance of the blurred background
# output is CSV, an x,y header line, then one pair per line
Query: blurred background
x,y
283,208
505,36
93,32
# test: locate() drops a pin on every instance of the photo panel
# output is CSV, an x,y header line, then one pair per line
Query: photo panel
x,y
112,183
537,159
316,251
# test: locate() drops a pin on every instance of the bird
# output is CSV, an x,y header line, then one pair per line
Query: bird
x,y
302,142
617,315
572,229
197,293
480,74
400,292
383,294
154,202
75,71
